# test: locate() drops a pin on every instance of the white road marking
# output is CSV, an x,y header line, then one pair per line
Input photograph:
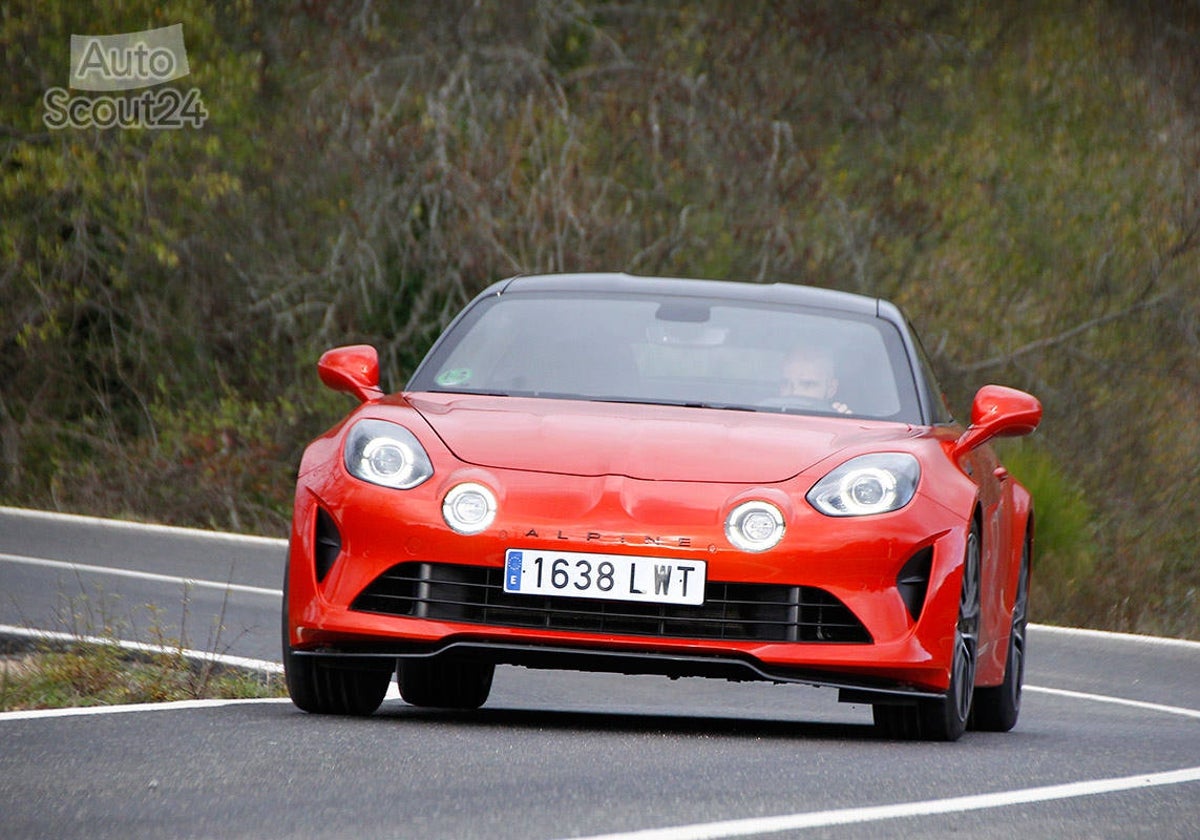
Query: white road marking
x,y
1109,635
132,573
393,693
125,525
143,647
878,813
266,666
139,647
1119,701
91,711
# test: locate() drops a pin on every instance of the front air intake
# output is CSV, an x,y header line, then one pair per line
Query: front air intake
x,y
732,611
327,543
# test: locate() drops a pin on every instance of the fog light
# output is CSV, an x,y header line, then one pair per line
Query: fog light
x,y
755,526
469,508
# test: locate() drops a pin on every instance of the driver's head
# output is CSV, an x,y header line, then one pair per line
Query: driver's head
x,y
809,375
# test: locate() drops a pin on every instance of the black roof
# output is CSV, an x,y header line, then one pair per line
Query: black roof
x,y
783,293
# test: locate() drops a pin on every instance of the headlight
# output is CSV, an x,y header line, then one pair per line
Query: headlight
x,y
755,526
868,484
385,453
469,508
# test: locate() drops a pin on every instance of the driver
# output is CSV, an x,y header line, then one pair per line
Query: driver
x,y
809,376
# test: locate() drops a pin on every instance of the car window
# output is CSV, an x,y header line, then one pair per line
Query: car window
x,y
939,405
692,351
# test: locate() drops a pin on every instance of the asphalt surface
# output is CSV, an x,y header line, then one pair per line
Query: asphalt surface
x,y
1108,744
73,574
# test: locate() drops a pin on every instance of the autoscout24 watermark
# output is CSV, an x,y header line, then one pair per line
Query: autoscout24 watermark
x,y
118,63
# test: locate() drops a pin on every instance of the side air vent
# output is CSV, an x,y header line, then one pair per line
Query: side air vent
x,y
328,543
913,581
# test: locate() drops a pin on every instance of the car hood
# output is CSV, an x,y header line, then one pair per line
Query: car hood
x,y
659,443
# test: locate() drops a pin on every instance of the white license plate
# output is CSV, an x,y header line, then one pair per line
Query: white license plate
x,y
611,577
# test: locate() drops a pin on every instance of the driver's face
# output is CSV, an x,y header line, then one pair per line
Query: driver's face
x,y
808,378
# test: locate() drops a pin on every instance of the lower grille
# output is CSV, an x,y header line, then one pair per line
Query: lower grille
x,y
731,611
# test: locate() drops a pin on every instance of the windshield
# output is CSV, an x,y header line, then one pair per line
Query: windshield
x,y
708,352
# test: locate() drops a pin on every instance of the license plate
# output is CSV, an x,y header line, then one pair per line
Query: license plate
x,y
612,577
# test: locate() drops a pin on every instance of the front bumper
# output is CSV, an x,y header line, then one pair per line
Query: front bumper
x,y
349,537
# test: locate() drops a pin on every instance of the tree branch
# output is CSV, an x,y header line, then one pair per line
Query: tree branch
x,y
1063,337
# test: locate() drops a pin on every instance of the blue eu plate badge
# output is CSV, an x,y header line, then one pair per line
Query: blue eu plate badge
x,y
512,571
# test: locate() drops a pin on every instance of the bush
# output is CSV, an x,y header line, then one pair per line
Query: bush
x,y
1064,532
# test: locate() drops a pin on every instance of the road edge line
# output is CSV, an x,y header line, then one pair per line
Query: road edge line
x,y
124,524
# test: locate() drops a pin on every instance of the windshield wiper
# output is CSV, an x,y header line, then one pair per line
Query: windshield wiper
x,y
562,395
675,403
483,392
719,406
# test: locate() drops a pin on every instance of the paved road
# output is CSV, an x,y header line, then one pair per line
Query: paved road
x,y
90,576
1108,744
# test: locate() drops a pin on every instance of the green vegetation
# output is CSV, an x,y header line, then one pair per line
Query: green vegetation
x,y
1066,555
105,675
88,664
1023,178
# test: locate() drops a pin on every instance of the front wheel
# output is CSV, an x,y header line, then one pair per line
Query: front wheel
x,y
945,718
997,709
445,682
327,686
324,686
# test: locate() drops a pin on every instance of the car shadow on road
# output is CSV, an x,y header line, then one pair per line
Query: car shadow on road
x,y
633,723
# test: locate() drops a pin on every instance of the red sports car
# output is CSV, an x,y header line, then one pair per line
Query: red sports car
x,y
602,472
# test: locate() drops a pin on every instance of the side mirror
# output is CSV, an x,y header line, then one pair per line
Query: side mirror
x,y
353,370
998,412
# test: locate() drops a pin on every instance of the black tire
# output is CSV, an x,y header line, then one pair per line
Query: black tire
x,y
328,686
897,722
945,718
325,686
445,682
997,708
